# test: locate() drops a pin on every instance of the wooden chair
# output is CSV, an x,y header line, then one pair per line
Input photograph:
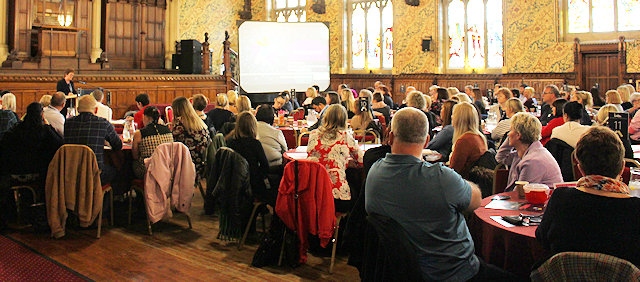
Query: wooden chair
x,y
256,204
24,183
368,136
303,139
500,179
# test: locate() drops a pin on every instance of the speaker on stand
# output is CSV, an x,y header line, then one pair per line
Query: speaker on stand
x,y
191,57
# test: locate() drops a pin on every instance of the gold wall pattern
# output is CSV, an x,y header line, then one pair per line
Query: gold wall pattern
x,y
633,56
410,25
333,16
531,38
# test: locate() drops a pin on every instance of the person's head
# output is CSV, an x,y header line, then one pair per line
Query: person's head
x,y
525,129
385,90
311,92
603,114
318,103
631,88
513,106
265,113
9,102
246,126
68,74
468,89
243,104
446,111
87,104
45,100
624,92
98,95
463,97
427,102
279,101
443,94
199,102
34,115
409,126
523,87
416,100
496,87
366,93
346,95
477,94
332,98
377,97
584,98
600,152
550,93
232,96
182,108
635,99
58,100
409,89
503,94
529,92
452,91
222,101
334,120
343,86
613,97
573,111
316,87
142,100
150,115
377,84
557,107
465,119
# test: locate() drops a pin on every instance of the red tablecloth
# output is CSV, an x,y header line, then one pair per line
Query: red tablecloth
x,y
514,249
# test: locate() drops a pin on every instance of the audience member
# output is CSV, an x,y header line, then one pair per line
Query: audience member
x,y
272,139
550,94
571,130
319,104
557,111
379,106
189,129
8,117
52,112
625,94
386,95
88,129
635,101
598,215
417,100
244,104
346,96
530,101
103,110
332,146
232,97
147,139
525,156
502,95
443,141
613,97
597,99
437,230
332,98
469,144
142,102
218,116
310,94
199,103
281,102
585,99
512,107
45,100
478,101
362,119
441,96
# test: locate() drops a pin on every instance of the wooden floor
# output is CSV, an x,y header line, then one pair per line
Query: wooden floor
x,y
173,253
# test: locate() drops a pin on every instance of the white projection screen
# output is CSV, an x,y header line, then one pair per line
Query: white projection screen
x,y
280,56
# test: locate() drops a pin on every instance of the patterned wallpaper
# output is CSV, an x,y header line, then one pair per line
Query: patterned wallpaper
x,y
633,56
333,16
530,38
410,26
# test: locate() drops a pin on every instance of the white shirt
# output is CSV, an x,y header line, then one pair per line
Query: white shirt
x,y
104,111
569,132
55,118
273,143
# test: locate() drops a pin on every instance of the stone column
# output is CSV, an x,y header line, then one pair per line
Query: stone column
x,y
170,31
4,25
96,19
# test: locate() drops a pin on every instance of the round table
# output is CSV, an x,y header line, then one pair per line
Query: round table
x,y
514,249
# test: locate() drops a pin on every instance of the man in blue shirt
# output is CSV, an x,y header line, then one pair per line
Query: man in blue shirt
x,y
428,200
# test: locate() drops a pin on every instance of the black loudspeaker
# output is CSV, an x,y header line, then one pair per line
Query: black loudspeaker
x,y
175,61
191,57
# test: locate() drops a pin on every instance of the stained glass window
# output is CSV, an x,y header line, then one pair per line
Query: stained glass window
x,y
371,31
289,10
585,16
474,28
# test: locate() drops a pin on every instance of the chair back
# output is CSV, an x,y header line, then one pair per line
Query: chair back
x,y
626,172
501,178
482,172
383,123
298,114
303,139
585,266
368,136
168,113
577,174
562,152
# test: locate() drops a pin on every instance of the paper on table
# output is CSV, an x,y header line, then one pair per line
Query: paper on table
x,y
503,205
297,155
301,149
499,219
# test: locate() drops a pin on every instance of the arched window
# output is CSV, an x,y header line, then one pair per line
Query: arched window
x,y
370,36
289,10
601,19
474,32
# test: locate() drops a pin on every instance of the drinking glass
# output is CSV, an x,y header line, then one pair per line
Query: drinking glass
x,y
634,182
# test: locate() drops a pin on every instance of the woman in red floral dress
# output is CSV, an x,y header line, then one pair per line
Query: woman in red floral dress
x,y
334,147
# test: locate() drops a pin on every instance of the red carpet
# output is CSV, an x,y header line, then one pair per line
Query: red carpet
x,y
18,263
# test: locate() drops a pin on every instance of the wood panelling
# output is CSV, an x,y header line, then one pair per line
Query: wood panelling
x,y
123,88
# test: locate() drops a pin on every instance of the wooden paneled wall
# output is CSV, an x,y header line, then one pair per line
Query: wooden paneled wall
x,y
422,82
124,88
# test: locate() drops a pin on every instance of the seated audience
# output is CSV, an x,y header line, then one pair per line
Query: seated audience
x,y
232,97
189,129
8,116
386,96
52,112
571,130
417,100
525,156
142,101
280,102
512,107
468,142
332,145
478,101
346,96
551,94
625,95
598,215
147,139
45,100
613,97
584,98
379,106
530,101
602,118
319,104
502,95
332,97
103,110
311,93
597,99
443,141
557,111
91,130
437,230
199,103
438,97
243,104
635,101
243,140
218,116
272,139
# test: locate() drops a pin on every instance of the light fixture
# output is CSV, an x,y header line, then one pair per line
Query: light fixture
x,y
65,20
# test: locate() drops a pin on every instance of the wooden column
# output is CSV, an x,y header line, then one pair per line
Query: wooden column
x,y
96,20
142,39
170,31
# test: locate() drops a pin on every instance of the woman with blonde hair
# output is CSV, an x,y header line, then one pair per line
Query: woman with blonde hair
x,y
530,101
469,144
243,104
332,146
613,97
361,119
310,94
191,130
347,101
8,116
217,117
586,100
232,97
512,107
45,100
625,96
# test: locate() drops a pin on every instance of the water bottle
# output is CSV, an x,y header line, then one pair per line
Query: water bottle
x,y
126,132
538,110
